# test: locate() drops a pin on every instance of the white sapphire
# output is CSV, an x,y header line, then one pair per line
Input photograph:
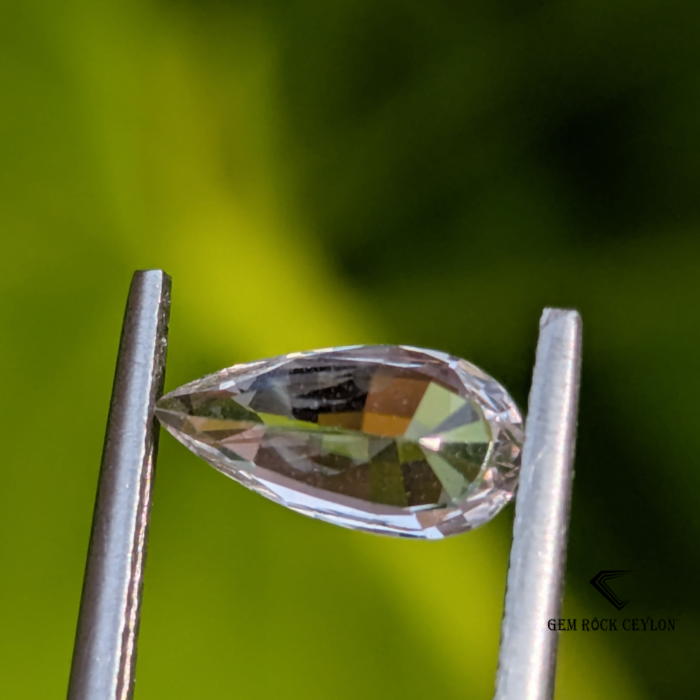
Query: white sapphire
x,y
388,439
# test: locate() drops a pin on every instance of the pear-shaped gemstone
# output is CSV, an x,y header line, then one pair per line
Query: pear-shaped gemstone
x,y
389,439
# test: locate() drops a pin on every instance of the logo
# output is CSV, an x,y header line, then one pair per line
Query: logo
x,y
609,624
600,583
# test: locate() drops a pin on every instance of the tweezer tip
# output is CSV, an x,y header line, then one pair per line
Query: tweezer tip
x,y
552,315
154,273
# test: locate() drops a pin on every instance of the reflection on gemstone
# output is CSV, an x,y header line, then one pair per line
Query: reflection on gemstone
x,y
388,439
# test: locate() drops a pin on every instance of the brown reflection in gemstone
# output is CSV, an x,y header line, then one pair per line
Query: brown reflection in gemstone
x,y
386,426
354,482
420,483
347,421
349,479
269,458
395,396
386,480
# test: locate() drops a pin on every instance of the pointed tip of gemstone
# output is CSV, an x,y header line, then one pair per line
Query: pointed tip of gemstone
x,y
387,439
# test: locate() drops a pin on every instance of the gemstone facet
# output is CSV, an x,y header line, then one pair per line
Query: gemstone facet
x,y
388,439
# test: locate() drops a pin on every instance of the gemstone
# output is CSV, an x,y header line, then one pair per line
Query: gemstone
x,y
382,438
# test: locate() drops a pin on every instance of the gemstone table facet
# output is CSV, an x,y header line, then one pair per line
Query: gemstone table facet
x,y
388,439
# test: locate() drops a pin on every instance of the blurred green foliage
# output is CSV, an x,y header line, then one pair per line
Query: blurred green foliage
x,y
314,174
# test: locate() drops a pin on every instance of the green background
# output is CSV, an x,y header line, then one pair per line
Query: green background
x,y
321,173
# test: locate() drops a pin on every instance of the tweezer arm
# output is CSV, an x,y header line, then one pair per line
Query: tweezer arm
x,y
105,647
528,654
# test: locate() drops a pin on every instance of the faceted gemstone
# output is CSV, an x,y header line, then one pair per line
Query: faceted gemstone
x,y
388,439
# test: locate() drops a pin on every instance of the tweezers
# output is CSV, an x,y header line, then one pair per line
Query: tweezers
x,y
104,657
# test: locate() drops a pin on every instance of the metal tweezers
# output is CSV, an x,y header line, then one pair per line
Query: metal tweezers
x,y
104,657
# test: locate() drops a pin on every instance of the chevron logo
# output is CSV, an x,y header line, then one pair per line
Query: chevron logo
x,y
600,583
